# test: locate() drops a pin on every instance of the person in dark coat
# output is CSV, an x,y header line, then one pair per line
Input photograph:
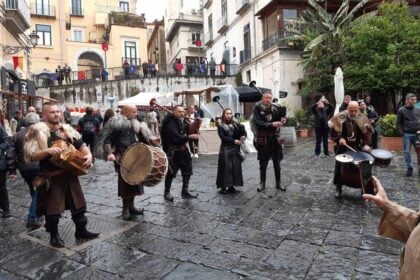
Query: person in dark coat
x,y
6,166
229,168
63,190
109,113
174,135
89,126
268,119
345,104
28,170
323,111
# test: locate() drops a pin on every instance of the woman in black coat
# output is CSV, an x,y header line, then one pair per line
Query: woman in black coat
x,y
229,169
323,111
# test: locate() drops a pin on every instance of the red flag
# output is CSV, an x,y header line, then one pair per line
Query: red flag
x,y
81,75
18,62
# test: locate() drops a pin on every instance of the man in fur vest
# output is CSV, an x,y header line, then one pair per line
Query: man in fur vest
x,y
120,133
64,190
349,128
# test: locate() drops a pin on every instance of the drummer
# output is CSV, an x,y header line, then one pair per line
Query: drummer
x,y
120,133
350,128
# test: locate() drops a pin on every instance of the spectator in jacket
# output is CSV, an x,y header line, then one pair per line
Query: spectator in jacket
x,y
89,126
322,111
28,170
346,101
408,122
7,155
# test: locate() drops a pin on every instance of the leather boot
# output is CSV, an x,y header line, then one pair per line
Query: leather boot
x,y
261,187
338,191
279,186
133,210
83,233
125,211
167,194
55,240
51,226
185,184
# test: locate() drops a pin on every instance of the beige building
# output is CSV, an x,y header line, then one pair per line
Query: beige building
x,y
74,31
14,30
156,46
248,33
184,32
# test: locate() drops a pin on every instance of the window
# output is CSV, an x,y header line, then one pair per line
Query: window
x,y
42,7
210,23
77,35
224,8
247,42
195,39
44,33
130,52
124,6
248,75
76,7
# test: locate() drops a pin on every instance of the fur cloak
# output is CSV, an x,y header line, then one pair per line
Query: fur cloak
x,y
36,138
336,122
121,123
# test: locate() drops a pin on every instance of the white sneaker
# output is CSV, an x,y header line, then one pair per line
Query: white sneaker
x,y
196,155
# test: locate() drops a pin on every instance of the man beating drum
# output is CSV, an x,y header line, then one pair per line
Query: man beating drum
x,y
350,130
120,133
174,134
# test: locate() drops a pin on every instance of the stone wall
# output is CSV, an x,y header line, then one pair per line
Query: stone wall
x,y
95,93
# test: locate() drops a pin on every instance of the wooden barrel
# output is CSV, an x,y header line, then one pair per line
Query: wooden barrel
x,y
288,135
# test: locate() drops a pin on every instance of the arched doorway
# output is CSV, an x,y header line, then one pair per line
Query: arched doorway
x,y
90,63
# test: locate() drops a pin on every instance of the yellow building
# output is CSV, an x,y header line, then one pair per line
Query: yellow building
x,y
73,32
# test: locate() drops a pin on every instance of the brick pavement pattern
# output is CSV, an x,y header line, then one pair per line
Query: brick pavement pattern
x,y
304,233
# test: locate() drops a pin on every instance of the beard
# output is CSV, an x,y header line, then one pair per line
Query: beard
x,y
353,118
136,125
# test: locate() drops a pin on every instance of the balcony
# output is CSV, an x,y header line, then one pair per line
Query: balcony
x,y
126,19
208,38
196,45
181,19
277,39
242,6
207,4
17,16
77,12
43,11
244,55
222,24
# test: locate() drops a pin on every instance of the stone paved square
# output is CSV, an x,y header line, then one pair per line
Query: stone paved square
x,y
303,233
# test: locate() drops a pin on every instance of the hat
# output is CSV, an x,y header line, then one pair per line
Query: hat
x,y
31,118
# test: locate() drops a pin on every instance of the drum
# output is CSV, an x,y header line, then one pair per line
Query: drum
x,y
382,157
357,173
143,164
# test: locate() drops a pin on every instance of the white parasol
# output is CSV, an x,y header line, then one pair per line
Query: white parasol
x,y
338,89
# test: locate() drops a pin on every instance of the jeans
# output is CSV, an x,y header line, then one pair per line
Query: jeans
x,y
321,135
28,175
408,140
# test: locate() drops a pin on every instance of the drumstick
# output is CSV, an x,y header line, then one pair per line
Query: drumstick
x,y
350,148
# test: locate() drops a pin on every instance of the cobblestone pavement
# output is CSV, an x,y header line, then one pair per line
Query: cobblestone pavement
x,y
304,233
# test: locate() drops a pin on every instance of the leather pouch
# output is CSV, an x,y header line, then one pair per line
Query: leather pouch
x,y
40,184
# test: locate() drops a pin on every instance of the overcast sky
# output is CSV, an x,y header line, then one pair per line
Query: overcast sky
x,y
154,9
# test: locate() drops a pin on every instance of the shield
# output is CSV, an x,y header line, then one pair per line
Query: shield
x,y
338,89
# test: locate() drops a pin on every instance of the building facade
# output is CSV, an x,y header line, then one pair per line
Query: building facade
x,y
184,34
156,45
248,33
87,36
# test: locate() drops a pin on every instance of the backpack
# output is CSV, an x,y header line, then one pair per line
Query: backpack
x,y
88,126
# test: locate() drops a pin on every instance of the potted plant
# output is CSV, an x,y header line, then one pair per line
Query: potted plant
x,y
390,138
301,118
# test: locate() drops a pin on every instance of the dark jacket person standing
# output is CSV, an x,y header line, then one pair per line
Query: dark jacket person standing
x,y
408,122
6,165
322,111
229,168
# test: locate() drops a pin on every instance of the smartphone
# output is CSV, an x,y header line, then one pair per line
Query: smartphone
x,y
366,175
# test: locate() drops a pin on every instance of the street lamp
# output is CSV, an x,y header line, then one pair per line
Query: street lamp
x,y
33,38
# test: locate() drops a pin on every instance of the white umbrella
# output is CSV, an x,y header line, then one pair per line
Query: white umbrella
x,y
338,89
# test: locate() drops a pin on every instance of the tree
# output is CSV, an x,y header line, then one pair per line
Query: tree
x,y
383,54
323,35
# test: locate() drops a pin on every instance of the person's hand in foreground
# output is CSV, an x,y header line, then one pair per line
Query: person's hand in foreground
x,y
380,198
